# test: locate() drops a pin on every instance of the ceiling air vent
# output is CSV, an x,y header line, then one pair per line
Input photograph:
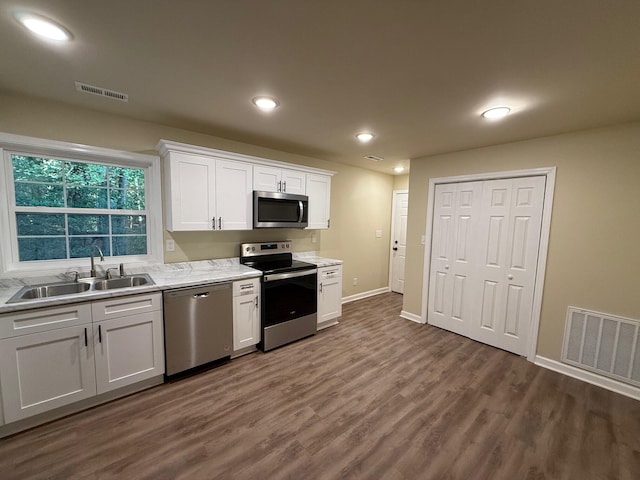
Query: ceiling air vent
x,y
374,158
102,92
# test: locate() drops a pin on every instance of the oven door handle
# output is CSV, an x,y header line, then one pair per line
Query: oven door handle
x,y
285,276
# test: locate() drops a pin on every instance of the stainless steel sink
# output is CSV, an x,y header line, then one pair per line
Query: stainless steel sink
x,y
123,282
84,285
52,290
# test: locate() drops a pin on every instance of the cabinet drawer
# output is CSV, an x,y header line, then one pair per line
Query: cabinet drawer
x,y
246,287
43,319
125,306
327,273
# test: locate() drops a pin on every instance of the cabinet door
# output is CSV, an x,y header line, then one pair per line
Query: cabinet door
x,y
329,293
319,193
234,195
128,350
266,179
190,192
43,371
294,182
246,321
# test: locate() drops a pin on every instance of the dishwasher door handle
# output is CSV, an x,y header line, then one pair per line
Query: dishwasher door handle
x,y
201,295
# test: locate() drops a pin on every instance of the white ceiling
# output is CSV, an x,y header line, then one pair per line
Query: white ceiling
x,y
415,72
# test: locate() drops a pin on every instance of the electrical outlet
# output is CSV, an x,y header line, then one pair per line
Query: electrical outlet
x,y
170,245
422,240
314,237
355,281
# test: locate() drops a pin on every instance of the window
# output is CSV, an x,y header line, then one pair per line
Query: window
x,y
61,208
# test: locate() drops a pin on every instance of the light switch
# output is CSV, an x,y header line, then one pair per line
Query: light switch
x,y
378,233
422,240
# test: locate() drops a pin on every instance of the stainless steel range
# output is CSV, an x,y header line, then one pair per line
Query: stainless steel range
x,y
289,298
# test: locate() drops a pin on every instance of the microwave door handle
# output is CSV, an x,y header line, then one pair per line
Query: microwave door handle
x,y
301,206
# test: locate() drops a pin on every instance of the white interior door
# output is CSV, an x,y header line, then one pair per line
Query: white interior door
x,y
399,240
452,294
486,237
509,240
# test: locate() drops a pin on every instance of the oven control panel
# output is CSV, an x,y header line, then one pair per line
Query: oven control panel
x,y
265,248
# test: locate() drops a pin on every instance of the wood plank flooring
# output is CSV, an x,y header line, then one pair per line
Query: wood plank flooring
x,y
376,397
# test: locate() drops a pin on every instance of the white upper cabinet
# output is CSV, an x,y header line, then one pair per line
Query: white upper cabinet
x,y
207,193
207,189
234,195
273,179
319,193
189,188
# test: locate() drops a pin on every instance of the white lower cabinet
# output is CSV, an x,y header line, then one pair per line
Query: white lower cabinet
x,y
46,370
246,313
128,350
329,295
63,362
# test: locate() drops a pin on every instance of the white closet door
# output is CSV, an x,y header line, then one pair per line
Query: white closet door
x,y
485,244
452,293
509,239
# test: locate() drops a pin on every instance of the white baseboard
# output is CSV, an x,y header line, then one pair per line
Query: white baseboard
x,y
589,377
360,296
411,316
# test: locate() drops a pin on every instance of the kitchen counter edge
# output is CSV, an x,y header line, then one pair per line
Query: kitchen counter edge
x,y
163,281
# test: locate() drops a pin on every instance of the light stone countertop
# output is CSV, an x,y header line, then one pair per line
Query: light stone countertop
x,y
311,257
165,276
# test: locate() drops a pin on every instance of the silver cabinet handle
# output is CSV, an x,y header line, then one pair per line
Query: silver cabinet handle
x,y
279,186
214,223
446,267
320,287
284,186
219,223
256,301
510,277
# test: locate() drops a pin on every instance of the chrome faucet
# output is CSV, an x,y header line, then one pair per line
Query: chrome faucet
x,y
92,273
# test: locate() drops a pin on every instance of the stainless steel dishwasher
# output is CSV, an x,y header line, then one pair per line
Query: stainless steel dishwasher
x,y
198,326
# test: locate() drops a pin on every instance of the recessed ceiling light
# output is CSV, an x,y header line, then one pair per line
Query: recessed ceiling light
x,y
266,104
44,27
364,137
398,169
496,113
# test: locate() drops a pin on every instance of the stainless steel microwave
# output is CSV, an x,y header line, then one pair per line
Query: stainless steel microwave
x,y
279,210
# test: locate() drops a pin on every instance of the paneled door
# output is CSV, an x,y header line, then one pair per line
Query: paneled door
x,y
452,295
508,241
399,240
486,237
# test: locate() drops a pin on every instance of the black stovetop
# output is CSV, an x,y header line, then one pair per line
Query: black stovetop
x,y
278,263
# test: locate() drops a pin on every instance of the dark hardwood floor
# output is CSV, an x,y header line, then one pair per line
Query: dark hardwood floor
x,y
376,397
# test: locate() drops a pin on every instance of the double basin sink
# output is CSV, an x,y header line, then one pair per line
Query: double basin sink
x,y
92,284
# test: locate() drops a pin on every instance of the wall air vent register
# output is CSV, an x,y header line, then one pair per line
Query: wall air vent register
x,y
101,92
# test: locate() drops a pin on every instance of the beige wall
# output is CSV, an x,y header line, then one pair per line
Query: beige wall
x,y
594,249
360,199
401,182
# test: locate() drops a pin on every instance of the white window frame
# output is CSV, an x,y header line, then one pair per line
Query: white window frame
x,y
11,144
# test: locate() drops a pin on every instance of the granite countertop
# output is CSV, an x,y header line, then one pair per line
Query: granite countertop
x,y
311,257
165,276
